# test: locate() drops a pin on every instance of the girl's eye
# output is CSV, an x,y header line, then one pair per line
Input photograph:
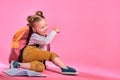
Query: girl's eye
x,y
42,27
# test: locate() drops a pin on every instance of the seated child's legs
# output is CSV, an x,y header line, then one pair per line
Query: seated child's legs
x,y
31,53
37,66
34,65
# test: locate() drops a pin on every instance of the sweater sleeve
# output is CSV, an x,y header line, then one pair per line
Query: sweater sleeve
x,y
37,39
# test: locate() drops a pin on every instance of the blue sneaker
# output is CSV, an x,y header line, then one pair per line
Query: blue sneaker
x,y
69,70
14,64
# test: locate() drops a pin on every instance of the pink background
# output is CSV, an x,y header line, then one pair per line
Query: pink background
x,y
90,31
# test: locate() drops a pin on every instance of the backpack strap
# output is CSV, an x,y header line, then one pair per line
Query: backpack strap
x,y
48,49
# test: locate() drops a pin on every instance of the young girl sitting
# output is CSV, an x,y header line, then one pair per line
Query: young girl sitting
x,y
34,53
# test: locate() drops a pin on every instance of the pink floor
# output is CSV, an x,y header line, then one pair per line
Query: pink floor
x,y
53,73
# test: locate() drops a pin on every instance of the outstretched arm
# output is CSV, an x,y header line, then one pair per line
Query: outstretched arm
x,y
37,39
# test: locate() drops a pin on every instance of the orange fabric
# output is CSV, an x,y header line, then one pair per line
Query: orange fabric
x,y
18,35
36,56
18,42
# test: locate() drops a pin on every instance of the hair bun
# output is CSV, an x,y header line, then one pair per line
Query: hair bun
x,y
30,18
40,13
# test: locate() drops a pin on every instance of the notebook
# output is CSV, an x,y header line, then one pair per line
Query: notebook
x,y
22,72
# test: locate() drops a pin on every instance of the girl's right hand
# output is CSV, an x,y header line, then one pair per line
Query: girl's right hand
x,y
57,29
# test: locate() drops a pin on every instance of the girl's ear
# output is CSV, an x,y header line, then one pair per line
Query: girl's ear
x,y
34,30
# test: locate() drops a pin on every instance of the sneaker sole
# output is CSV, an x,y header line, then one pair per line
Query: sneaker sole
x,y
70,73
11,64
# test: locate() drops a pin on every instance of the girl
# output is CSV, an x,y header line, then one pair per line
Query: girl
x,y
34,53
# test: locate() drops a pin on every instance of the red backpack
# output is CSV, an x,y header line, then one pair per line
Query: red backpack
x,y
18,42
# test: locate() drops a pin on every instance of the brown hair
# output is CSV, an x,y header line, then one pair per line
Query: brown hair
x,y
34,18
31,20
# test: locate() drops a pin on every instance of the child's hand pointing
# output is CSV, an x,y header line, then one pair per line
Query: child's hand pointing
x,y
57,29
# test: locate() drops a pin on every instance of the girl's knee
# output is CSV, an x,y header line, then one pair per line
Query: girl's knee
x,y
54,55
37,66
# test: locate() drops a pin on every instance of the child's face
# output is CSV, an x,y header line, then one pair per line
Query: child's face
x,y
41,27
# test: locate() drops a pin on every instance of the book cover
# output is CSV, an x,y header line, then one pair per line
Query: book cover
x,y
22,72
